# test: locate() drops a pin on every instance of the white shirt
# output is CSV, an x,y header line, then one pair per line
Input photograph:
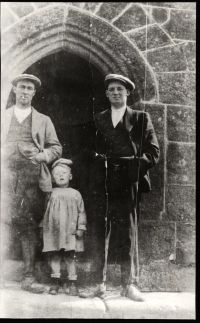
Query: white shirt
x,y
21,114
117,115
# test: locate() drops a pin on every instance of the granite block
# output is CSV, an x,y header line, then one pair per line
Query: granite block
x,y
167,59
177,88
182,24
185,244
110,10
90,6
132,18
177,5
160,15
180,203
181,124
190,55
156,240
181,164
148,38
21,9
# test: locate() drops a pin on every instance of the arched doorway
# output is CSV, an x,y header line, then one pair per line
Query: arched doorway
x,y
60,27
71,51
72,92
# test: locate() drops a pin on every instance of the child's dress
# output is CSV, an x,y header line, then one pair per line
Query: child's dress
x,y
65,213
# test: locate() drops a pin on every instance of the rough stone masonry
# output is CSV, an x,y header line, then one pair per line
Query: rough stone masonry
x,y
162,35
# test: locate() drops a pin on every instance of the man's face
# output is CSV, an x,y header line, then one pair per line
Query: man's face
x,y
24,91
117,93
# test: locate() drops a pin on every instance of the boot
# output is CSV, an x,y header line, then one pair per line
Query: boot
x,y
29,284
55,285
65,286
73,290
100,291
132,292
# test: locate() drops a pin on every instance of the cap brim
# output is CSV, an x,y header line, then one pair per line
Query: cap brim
x,y
63,162
36,81
129,85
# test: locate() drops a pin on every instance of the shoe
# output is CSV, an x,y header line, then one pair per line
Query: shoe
x,y
100,291
132,292
55,285
53,290
73,290
65,288
123,292
29,284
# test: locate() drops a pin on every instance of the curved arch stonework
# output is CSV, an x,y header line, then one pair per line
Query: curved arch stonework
x,y
62,27
155,46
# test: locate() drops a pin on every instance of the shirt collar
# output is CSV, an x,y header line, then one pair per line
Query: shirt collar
x,y
120,110
19,111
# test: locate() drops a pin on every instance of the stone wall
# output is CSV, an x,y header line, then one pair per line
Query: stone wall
x,y
159,36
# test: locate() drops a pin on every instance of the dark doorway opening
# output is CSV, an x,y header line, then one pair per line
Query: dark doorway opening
x,y
72,91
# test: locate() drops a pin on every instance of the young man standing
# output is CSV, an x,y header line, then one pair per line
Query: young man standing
x,y
29,143
126,140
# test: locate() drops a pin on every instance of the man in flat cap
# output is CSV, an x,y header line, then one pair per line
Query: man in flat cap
x,y
127,141
29,144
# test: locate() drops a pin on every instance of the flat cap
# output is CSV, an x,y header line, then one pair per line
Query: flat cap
x,y
28,77
117,77
62,162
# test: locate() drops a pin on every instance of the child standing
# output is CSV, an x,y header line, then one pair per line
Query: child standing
x,y
64,224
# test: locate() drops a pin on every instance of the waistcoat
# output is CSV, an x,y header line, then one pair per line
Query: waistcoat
x,y
20,131
19,142
118,141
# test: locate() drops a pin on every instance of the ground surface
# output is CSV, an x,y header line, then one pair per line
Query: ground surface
x,y
16,303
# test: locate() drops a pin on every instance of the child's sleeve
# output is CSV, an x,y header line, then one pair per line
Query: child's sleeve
x,y
82,219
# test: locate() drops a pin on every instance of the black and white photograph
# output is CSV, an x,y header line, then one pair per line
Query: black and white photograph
x,y
98,160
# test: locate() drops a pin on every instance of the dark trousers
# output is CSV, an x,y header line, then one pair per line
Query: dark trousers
x,y
116,233
22,207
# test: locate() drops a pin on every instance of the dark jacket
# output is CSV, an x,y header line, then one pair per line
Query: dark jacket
x,y
142,137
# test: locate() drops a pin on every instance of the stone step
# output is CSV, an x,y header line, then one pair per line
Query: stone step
x,y
155,276
17,303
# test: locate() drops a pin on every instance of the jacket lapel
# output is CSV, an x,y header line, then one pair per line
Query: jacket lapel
x,y
36,124
106,121
129,119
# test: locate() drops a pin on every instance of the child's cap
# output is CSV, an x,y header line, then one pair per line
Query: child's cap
x,y
62,162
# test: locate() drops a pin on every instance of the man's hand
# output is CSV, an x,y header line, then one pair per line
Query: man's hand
x,y
144,163
40,157
99,156
79,234
145,160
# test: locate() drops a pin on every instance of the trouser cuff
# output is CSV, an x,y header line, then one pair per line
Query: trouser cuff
x,y
55,275
72,277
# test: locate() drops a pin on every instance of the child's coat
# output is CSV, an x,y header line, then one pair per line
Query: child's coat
x,y
65,213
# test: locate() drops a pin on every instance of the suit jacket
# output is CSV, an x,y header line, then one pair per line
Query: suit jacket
x,y
45,139
142,137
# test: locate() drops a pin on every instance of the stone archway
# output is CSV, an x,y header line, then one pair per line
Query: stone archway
x,y
65,28
58,27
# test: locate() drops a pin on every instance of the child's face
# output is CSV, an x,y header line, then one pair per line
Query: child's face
x,y
62,176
